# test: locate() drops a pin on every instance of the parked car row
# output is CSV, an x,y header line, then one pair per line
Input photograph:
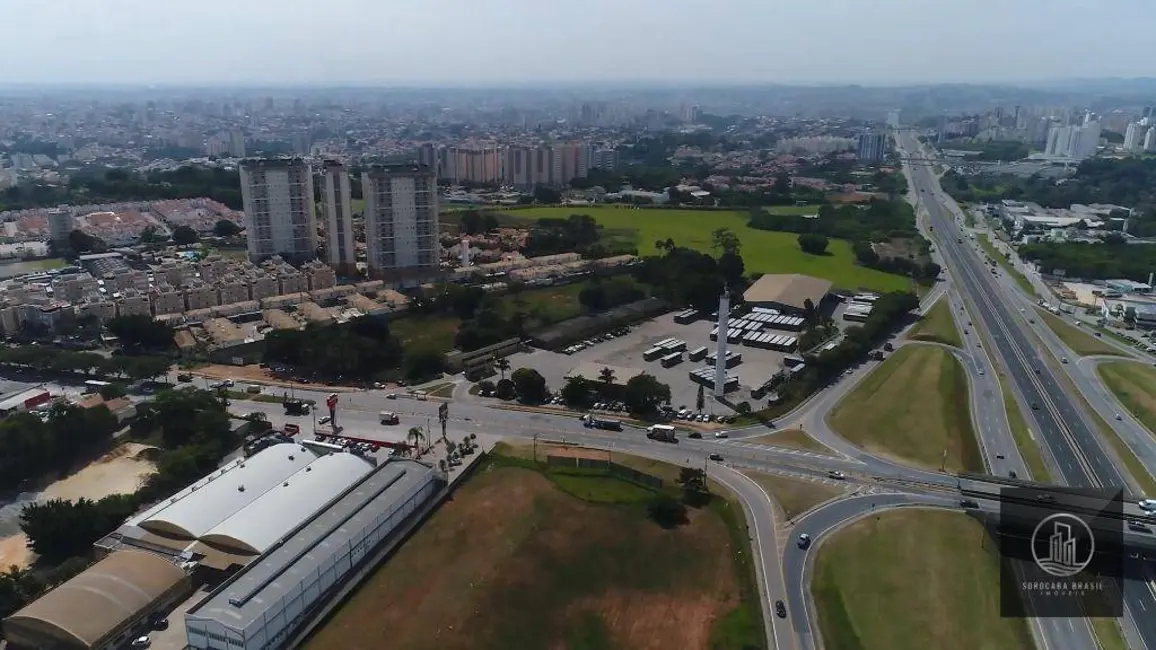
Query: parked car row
x,y
683,413
595,340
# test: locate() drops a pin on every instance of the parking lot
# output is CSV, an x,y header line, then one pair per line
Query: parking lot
x,y
758,365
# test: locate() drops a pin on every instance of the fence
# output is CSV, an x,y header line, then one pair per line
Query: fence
x,y
610,467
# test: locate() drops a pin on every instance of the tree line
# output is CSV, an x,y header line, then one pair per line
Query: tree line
x,y
39,358
1111,259
642,394
93,185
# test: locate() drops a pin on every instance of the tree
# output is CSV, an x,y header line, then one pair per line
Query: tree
x,y
112,391
506,390
486,387
666,512
809,310
725,240
185,235
137,333
643,394
730,265
606,375
59,529
543,194
691,478
813,244
80,242
577,392
415,436
700,399
226,228
502,364
149,235
422,365
530,385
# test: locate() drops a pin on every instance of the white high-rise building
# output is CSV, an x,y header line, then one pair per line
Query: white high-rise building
x,y
872,146
1150,140
1133,137
401,222
1075,142
280,217
339,247
237,143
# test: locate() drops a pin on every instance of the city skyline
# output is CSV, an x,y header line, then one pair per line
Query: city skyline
x,y
264,43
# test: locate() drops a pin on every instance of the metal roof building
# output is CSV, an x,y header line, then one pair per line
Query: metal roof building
x,y
788,291
197,509
263,604
98,606
270,516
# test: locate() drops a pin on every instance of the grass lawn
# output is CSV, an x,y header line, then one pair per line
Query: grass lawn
x,y
912,580
763,251
794,210
46,264
525,559
1134,384
792,438
544,306
912,408
938,326
794,496
1079,341
425,332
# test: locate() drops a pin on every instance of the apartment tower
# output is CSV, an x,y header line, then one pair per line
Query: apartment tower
x,y
277,195
339,248
401,222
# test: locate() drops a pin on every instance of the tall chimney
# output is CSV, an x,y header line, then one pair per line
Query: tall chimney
x,y
720,362
465,252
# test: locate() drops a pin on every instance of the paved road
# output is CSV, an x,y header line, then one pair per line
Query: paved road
x,y
1079,454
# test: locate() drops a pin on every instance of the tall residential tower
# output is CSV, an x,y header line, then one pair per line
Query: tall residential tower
x,y
279,215
339,248
401,222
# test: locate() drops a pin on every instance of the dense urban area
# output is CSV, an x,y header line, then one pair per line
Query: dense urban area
x,y
724,368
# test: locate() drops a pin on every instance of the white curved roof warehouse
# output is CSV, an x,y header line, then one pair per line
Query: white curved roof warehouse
x,y
194,511
257,526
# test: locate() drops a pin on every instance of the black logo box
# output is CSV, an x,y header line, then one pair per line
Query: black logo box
x,y
1062,552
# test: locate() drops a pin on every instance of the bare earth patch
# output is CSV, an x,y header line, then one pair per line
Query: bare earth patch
x,y
121,471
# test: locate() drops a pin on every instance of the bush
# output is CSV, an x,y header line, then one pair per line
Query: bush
x,y
667,512
506,389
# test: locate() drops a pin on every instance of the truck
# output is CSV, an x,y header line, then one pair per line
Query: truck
x,y
591,422
296,407
292,429
661,433
389,417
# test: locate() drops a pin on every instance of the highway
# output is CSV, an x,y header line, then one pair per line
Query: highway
x,y
1076,450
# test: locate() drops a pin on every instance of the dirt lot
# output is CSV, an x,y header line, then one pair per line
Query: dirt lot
x,y
118,472
514,562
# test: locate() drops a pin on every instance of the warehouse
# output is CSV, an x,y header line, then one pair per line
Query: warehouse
x,y
262,606
788,293
101,606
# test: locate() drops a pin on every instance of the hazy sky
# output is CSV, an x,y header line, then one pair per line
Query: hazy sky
x,y
477,42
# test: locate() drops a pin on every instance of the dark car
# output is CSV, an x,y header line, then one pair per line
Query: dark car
x,y
968,503
780,609
1035,407
695,434
717,457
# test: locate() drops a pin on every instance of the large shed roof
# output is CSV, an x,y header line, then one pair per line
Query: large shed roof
x,y
98,600
257,526
789,289
194,511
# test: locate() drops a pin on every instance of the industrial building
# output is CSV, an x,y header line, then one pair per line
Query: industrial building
x,y
272,532
787,292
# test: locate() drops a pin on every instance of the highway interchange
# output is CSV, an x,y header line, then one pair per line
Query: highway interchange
x,y
1074,451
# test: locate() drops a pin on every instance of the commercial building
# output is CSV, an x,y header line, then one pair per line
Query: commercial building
x,y
100,607
280,217
1134,136
1074,142
339,240
264,604
788,292
401,222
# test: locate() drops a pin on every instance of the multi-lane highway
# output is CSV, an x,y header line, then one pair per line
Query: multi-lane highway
x,y
1078,454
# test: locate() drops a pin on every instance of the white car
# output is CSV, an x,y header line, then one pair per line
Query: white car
x,y
1148,505
141,642
836,474
721,434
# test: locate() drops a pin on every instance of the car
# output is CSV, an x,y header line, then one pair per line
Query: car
x,y
968,503
1012,473
999,456
1063,359
780,609
229,383
981,372
1138,526
325,419
141,642
1035,406
703,417
391,396
184,377
160,623
1147,505
804,541
721,434
836,474
695,434
715,457
1119,417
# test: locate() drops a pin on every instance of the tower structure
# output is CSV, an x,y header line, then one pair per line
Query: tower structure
x,y
720,362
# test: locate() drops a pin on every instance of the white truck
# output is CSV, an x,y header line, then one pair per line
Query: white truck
x,y
389,417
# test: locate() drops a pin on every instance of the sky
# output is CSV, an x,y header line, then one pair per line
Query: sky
x,y
495,42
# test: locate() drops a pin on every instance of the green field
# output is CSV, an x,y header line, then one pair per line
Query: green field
x,y
913,580
1134,384
937,325
794,209
525,557
795,496
914,408
763,251
1078,340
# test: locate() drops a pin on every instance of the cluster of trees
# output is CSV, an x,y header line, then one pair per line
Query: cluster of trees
x,y
138,334
484,319
88,364
813,243
574,234
118,185
601,294
891,311
922,269
684,276
60,529
357,349
31,447
642,394
525,385
182,235
478,223
1111,259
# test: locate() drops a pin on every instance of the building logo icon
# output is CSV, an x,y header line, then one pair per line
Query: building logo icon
x,y
1063,545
